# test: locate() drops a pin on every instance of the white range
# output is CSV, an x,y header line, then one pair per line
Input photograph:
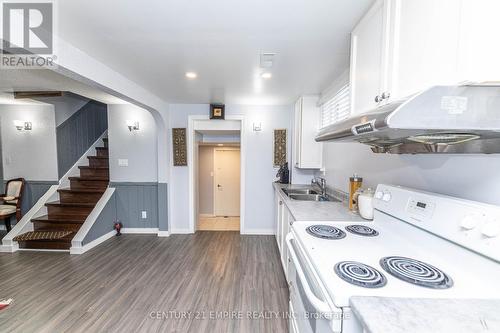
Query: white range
x,y
419,245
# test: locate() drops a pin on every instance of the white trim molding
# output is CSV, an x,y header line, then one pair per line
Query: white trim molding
x,y
163,233
229,124
259,232
139,231
92,244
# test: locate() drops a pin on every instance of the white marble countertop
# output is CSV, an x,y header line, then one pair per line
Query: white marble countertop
x,y
316,211
418,315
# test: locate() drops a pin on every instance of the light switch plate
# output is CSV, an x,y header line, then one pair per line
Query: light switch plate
x,y
144,214
123,162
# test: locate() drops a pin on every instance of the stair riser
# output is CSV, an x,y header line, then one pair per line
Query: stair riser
x,y
68,212
66,197
102,152
51,245
98,162
105,143
86,184
56,226
94,173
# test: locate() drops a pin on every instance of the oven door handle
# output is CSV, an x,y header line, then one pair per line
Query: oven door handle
x,y
319,305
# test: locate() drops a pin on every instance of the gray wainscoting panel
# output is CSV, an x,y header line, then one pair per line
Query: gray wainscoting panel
x,y
33,191
104,222
132,199
163,206
79,132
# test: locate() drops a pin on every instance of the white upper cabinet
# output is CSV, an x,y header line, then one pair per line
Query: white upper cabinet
x,y
367,58
401,47
307,152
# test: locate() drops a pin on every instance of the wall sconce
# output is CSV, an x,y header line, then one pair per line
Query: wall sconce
x,y
23,125
132,125
257,127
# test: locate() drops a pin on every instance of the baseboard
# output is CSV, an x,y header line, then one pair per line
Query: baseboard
x,y
92,244
163,233
9,248
139,230
180,231
207,215
258,232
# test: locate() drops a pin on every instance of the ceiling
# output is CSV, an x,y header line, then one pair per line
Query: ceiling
x,y
155,42
42,79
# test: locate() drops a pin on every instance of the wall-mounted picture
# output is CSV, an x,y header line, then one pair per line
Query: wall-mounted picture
x,y
217,111
179,146
279,151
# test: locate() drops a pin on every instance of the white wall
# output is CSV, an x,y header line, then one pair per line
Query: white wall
x,y
260,173
139,147
205,180
473,177
29,154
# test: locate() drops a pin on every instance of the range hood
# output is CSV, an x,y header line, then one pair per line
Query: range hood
x,y
443,119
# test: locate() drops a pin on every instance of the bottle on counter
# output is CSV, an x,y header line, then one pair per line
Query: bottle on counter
x,y
355,182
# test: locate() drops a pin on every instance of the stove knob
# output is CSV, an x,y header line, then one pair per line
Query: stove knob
x,y
469,222
386,197
491,229
379,195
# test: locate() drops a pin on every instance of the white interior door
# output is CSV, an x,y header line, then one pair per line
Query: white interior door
x,y
227,182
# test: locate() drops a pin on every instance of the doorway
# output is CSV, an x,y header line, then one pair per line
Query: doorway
x,y
226,134
219,186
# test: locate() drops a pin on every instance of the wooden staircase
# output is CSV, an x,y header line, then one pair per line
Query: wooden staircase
x,y
66,216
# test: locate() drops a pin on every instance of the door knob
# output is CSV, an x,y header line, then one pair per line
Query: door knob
x,y
378,99
386,95
219,185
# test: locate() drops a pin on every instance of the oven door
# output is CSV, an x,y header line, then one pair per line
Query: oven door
x,y
310,311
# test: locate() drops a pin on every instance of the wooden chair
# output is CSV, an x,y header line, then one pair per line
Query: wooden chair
x,y
10,202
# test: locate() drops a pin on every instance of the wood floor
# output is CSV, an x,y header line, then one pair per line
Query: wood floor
x,y
137,283
219,223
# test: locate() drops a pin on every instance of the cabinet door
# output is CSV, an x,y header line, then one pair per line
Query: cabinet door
x,y
297,133
287,224
307,152
278,206
423,45
368,58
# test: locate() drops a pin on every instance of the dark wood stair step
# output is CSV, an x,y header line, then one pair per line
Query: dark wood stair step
x,y
98,161
88,171
88,182
102,151
80,195
106,143
58,223
59,209
58,244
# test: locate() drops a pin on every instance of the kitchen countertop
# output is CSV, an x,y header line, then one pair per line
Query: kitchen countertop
x,y
419,315
314,210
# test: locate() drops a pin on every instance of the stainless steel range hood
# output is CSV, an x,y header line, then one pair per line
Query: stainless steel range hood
x,y
443,119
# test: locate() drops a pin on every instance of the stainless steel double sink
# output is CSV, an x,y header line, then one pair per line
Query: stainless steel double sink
x,y
307,195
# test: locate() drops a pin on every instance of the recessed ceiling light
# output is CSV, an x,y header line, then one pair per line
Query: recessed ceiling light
x,y
191,75
266,75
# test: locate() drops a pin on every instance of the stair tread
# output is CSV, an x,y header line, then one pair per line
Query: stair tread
x,y
57,219
101,148
46,236
82,190
69,204
89,178
98,157
92,167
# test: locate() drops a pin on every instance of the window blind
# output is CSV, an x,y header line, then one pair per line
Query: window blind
x,y
336,108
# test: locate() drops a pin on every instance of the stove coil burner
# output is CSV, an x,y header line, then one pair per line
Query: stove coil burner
x,y
325,231
361,230
416,272
360,274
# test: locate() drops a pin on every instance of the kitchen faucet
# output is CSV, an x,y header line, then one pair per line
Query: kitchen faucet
x,y
321,182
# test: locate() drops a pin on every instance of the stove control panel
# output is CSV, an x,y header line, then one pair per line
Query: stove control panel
x,y
473,225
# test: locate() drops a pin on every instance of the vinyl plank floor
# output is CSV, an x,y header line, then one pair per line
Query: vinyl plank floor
x,y
206,282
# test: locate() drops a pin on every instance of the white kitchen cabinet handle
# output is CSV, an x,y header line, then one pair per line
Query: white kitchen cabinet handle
x,y
319,305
